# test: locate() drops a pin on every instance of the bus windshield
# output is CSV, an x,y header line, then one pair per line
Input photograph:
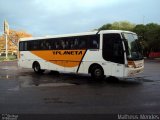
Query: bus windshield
x,y
133,48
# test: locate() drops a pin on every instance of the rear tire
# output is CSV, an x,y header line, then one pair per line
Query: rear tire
x,y
37,68
97,73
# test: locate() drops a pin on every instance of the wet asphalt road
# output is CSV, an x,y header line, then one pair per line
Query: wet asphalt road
x,y
24,92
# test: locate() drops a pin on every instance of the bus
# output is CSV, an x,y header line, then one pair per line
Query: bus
x,y
98,53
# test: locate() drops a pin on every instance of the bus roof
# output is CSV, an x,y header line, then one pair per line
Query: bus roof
x,y
75,34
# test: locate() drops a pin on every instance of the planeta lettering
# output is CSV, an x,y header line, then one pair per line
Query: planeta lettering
x,y
67,52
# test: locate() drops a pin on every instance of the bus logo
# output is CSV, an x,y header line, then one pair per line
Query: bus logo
x,y
67,52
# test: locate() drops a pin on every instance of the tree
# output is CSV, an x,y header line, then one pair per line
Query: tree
x,y
106,27
140,30
122,25
13,39
14,36
149,37
153,39
148,34
151,26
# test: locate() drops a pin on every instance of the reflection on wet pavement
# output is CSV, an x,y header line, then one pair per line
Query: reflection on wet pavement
x,y
22,91
27,78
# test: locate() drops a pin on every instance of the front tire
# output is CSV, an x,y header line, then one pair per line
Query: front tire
x,y
97,73
37,68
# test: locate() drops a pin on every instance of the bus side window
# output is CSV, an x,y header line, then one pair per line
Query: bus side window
x,y
29,47
94,44
71,41
54,44
76,42
83,42
63,45
94,41
67,44
48,45
34,43
42,45
25,46
21,46
58,45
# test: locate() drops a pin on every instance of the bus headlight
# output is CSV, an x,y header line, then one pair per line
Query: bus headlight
x,y
131,64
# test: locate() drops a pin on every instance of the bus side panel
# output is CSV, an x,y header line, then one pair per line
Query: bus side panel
x,y
27,59
110,68
94,57
53,66
24,60
117,69
61,60
56,67
71,69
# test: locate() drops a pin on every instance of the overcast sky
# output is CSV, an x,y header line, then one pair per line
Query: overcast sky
x,y
48,17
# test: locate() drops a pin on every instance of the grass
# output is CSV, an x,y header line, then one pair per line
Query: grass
x,y
10,57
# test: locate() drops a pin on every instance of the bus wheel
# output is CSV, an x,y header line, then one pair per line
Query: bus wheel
x,y
37,68
97,72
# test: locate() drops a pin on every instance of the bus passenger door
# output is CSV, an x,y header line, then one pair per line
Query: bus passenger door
x,y
113,52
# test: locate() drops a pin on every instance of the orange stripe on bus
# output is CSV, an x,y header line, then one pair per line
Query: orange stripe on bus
x,y
65,58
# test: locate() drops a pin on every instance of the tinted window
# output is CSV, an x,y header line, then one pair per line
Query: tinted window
x,y
77,42
35,45
94,41
113,48
21,46
45,44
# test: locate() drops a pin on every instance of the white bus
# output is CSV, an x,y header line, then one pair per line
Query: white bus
x,y
99,53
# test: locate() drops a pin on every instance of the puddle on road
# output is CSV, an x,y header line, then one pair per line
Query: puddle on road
x,y
9,68
147,80
6,76
140,79
29,83
54,84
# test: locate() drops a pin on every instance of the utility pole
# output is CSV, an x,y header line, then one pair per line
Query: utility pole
x,y
6,32
6,39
